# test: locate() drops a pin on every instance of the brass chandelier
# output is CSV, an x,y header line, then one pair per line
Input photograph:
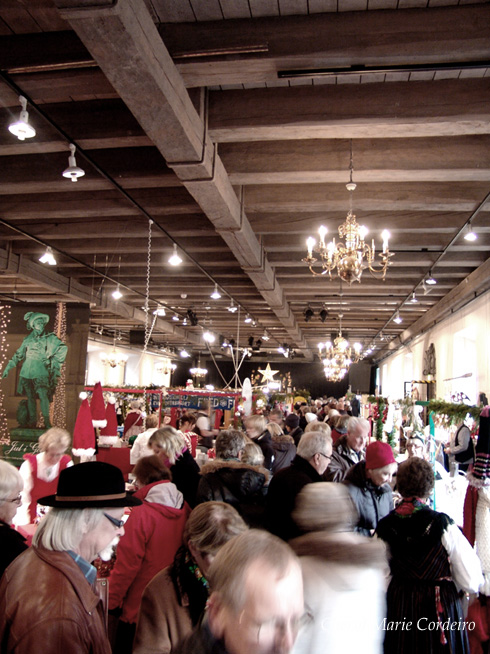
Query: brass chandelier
x,y
351,256
337,357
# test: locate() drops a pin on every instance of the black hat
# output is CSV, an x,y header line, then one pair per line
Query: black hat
x,y
88,485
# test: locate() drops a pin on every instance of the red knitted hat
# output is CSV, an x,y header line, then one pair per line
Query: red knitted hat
x,y
378,455
83,432
97,406
110,414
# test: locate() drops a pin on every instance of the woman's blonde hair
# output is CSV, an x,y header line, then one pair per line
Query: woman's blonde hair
x,y
315,425
274,429
259,423
252,454
169,440
54,438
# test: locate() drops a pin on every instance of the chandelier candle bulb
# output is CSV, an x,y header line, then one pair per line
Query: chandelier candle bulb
x,y
310,244
322,231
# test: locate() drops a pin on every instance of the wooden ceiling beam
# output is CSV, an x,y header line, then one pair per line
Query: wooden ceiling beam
x,y
221,52
345,111
128,48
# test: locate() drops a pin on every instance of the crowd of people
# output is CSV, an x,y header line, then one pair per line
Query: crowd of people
x,y
299,533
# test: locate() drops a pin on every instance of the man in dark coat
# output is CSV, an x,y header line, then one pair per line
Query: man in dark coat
x,y
292,428
348,450
313,456
228,479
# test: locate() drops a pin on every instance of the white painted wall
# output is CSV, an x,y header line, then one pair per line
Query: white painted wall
x,y
462,344
139,370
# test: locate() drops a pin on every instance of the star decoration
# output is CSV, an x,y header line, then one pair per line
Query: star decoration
x,y
268,374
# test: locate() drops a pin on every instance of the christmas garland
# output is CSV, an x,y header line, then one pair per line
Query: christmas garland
x,y
454,413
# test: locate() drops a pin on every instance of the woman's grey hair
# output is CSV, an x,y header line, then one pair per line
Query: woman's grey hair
x,y
169,440
312,442
325,506
229,444
228,571
54,438
358,425
10,481
63,529
211,525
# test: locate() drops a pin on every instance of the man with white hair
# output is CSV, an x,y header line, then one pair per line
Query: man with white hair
x,y
348,450
48,600
256,601
310,463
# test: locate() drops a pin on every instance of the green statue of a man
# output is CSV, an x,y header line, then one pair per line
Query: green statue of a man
x,y
42,356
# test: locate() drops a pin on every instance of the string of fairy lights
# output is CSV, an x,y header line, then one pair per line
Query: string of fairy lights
x,y
58,407
5,312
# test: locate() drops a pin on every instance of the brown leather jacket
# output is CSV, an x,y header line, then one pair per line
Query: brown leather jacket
x,y
47,605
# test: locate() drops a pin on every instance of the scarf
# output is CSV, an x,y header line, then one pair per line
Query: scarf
x,y
409,506
191,586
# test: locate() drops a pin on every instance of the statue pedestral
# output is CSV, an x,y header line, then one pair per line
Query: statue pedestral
x,y
22,441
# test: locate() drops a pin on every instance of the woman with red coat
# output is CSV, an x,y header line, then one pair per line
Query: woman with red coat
x,y
153,534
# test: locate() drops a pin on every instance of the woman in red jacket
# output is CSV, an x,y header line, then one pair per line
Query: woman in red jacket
x,y
153,534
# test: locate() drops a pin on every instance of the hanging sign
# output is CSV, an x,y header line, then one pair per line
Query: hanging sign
x,y
195,400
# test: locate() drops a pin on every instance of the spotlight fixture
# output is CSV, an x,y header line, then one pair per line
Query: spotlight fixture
x,y
215,295
21,128
174,259
184,354
281,349
430,279
308,313
175,318
73,172
470,234
232,308
265,336
184,322
323,314
48,257
398,319
159,311
414,299
209,337
248,318
117,295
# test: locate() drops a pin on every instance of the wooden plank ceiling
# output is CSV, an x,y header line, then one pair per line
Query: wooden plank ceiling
x,y
227,126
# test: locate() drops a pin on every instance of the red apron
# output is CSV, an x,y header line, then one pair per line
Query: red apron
x,y
42,488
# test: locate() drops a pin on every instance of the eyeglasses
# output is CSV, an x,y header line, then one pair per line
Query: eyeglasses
x,y
327,457
16,500
269,630
117,523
